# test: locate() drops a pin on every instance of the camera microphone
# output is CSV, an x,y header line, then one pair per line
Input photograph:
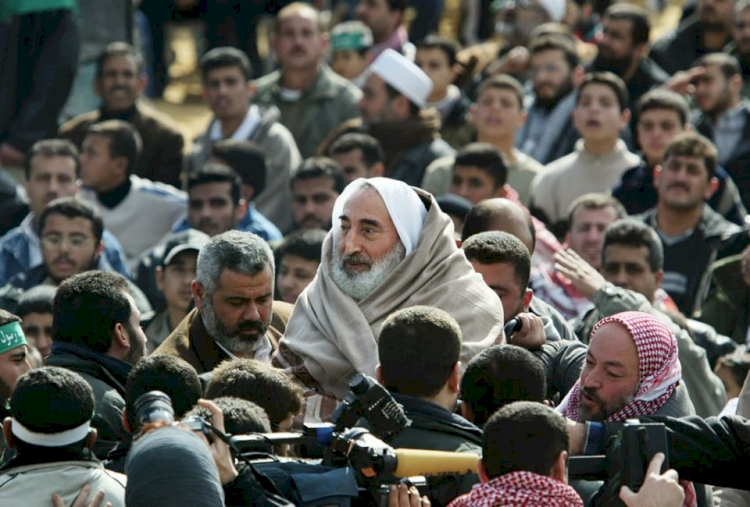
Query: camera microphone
x,y
413,462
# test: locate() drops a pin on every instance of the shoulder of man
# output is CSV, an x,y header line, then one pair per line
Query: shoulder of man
x,y
78,125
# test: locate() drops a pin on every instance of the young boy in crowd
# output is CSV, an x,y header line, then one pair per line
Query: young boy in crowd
x,y
662,114
600,157
436,56
497,115
350,43
298,258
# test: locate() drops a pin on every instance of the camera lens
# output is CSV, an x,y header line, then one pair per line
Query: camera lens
x,y
154,406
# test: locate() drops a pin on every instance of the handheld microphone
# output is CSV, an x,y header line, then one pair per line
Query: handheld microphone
x,y
413,462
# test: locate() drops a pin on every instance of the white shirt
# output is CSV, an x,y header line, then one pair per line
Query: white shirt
x,y
243,132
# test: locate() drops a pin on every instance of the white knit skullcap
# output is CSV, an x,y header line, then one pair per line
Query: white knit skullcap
x,y
403,75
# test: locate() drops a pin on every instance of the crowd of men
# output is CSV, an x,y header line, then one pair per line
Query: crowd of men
x,y
376,199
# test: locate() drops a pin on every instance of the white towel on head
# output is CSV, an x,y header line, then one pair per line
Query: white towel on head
x,y
403,204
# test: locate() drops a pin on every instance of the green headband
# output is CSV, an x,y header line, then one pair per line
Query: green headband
x,y
11,336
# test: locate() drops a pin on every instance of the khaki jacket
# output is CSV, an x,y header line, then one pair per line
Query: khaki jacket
x,y
190,340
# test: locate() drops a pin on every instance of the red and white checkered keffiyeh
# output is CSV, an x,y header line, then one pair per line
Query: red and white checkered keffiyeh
x,y
520,489
659,369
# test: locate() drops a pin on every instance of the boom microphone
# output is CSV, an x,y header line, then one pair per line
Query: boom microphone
x,y
413,462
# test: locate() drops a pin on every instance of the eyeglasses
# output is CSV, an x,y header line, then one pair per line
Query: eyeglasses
x,y
74,241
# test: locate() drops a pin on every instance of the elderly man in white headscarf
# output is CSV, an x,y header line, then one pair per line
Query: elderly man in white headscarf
x,y
390,247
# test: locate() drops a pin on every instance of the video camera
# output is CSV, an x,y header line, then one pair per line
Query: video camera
x,y
627,459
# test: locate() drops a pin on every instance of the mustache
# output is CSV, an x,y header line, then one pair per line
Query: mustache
x,y
358,258
62,258
255,325
591,393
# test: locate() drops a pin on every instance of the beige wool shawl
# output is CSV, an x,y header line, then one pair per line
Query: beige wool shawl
x,y
331,337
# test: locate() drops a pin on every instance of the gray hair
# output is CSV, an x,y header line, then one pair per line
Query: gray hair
x,y
241,252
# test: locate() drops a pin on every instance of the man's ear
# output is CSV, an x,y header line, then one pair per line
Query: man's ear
x,y
502,191
657,174
526,301
9,439
482,472
713,186
241,209
624,119
454,382
559,470
125,423
199,293
379,375
120,341
91,438
160,278
99,249
659,277
377,169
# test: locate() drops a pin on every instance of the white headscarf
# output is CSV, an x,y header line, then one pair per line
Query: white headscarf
x,y
403,204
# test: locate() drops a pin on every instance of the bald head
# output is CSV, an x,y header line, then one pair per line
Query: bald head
x,y
500,214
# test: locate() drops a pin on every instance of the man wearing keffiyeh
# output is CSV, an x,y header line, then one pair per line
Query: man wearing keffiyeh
x,y
631,369
525,460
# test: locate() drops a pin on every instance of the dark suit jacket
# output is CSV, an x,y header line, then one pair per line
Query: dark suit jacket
x,y
190,340
161,153
737,165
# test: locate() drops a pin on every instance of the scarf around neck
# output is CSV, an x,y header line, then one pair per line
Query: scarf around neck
x,y
520,489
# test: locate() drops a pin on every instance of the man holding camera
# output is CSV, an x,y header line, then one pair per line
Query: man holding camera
x,y
632,368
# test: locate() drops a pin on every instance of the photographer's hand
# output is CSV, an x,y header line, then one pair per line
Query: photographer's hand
x,y
219,449
658,490
531,336
403,496
80,500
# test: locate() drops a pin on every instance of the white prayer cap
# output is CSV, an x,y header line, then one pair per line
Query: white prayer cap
x,y
555,9
403,204
403,75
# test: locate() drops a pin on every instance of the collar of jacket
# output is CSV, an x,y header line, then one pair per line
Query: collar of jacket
x,y
711,224
322,88
110,370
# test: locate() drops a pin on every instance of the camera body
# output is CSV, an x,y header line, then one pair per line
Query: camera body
x,y
369,400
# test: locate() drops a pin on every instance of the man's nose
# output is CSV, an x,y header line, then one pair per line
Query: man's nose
x,y
351,243
251,312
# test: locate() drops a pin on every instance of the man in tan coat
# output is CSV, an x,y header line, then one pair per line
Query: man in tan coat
x,y
390,248
235,315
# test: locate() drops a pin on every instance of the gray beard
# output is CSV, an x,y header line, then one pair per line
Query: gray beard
x,y
359,285
224,337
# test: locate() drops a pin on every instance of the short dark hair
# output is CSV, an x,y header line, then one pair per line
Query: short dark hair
x,y
495,247
692,144
372,152
556,42
307,244
737,364
246,158
635,233
7,317
485,157
51,400
728,64
39,299
241,416
252,380
481,216
51,148
412,365
294,8
118,49
124,140
500,375
87,307
640,27
523,436
319,167
444,44
219,58
213,172
664,99
596,200
503,82
610,80
168,374
72,207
